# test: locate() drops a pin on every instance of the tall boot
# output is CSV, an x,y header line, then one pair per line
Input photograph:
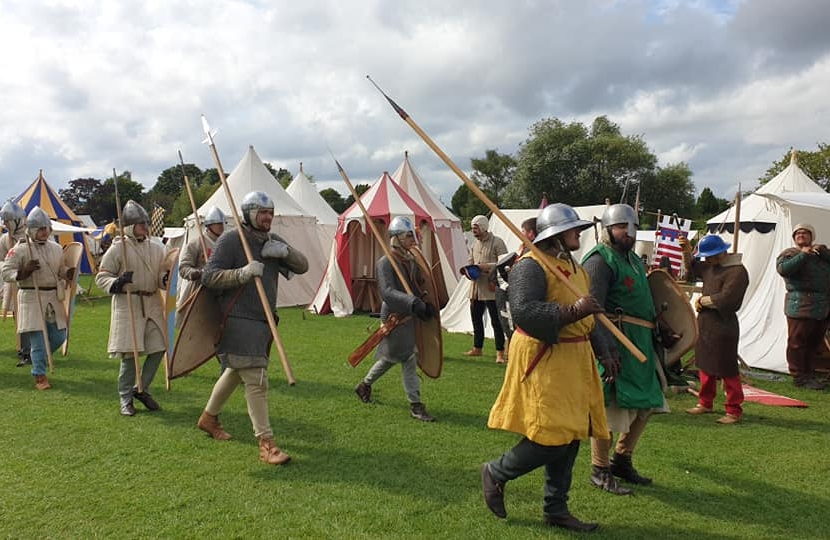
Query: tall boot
x,y
621,467
210,424
42,383
270,453
602,478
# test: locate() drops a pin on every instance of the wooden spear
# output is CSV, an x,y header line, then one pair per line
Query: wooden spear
x,y
44,328
266,307
737,220
515,230
139,386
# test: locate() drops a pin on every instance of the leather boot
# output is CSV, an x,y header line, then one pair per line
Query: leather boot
x,y
42,383
419,412
475,351
603,479
210,424
270,453
364,392
621,467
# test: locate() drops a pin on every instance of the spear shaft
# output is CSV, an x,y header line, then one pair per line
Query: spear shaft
x,y
515,230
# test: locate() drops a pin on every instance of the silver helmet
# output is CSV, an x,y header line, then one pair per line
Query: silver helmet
x,y
134,214
14,216
621,213
252,203
214,215
558,218
401,225
36,220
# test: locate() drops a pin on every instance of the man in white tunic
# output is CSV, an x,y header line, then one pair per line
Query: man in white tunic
x,y
193,257
14,219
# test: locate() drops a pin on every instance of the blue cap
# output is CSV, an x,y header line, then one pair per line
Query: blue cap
x,y
471,272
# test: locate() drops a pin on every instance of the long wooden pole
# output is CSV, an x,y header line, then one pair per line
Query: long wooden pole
x,y
43,326
515,230
202,241
138,384
737,220
369,221
266,306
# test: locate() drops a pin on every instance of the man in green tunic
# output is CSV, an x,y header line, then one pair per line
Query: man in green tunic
x,y
633,389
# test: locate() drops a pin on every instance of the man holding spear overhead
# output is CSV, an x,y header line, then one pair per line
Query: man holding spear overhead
x,y
133,271
36,264
245,342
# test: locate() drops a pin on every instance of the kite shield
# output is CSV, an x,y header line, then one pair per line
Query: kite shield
x,y
428,333
198,335
673,308
72,253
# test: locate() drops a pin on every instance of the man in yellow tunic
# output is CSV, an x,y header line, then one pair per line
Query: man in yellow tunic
x,y
551,394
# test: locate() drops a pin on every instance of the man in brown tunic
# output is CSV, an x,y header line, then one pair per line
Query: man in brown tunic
x,y
725,281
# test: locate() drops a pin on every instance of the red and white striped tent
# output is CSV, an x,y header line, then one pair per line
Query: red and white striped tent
x,y
349,281
447,225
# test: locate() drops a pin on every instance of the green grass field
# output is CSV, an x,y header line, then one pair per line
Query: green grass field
x,y
72,467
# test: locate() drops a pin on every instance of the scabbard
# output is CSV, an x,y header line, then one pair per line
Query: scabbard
x,y
372,341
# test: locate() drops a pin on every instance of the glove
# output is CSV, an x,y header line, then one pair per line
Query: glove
x,y
165,278
251,270
587,305
611,366
28,269
274,249
195,275
423,310
118,285
70,275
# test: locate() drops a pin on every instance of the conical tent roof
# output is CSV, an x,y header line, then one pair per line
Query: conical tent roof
x,y
40,193
306,195
386,200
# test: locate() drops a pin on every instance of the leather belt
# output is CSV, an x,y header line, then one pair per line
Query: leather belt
x,y
619,318
141,293
39,288
574,339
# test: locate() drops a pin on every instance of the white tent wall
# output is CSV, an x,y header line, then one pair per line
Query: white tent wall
x,y
306,195
455,317
763,325
290,222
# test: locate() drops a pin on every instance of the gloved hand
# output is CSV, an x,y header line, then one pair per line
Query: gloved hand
x,y
251,270
587,305
70,275
423,310
611,366
274,249
195,275
28,269
165,278
121,282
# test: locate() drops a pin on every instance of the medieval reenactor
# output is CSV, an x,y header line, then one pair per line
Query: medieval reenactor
x,y
135,266
399,347
244,345
14,219
193,257
36,265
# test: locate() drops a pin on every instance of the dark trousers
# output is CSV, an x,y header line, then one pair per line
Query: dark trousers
x,y
528,456
804,337
477,308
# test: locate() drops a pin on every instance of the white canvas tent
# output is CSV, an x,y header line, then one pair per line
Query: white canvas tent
x,y
447,225
306,195
767,218
290,222
455,317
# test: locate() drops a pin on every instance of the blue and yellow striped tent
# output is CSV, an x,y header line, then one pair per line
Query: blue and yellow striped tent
x,y
40,193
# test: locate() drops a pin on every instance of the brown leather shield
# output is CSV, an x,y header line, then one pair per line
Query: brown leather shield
x,y
72,253
673,308
196,340
428,333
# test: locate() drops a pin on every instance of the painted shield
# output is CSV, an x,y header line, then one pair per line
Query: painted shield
x,y
72,253
428,333
196,342
672,307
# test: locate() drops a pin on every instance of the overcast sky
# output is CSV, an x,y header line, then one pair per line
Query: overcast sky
x,y
726,86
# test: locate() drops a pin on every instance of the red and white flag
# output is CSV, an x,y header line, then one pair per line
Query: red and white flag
x,y
667,241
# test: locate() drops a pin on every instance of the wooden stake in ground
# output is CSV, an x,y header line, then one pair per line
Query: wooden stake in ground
x,y
515,230
266,307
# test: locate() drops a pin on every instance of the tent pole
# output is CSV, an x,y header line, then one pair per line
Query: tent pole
x,y
737,220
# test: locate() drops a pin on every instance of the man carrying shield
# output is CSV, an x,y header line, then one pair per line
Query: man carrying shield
x,y
141,274
245,341
633,389
14,219
36,264
399,347
551,393
192,258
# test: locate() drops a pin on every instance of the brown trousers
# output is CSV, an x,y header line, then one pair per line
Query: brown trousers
x,y
804,339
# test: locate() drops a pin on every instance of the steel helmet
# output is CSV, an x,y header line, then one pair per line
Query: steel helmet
x,y
557,218
214,215
134,214
13,215
401,225
711,245
621,213
252,203
37,219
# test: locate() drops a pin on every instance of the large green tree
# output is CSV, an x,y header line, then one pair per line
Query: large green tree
x,y
102,204
815,164
669,190
80,193
576,164
335,199
493,173
465,205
